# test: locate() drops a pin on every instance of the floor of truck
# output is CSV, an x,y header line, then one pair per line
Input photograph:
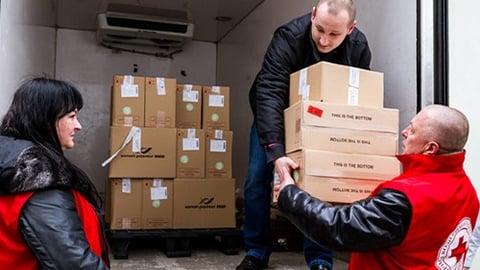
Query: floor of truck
x,y
207,258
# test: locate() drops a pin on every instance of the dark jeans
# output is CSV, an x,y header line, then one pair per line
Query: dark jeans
x,y
257,196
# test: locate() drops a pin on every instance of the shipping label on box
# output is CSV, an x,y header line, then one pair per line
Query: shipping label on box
x,y
126,203
128,101
218,154
160,102
190,153
157,203
314,113
188,106
343,140
216,107
347,165
147,153
203,203
335,83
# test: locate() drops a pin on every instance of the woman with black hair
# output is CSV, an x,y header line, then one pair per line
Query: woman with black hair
x,y
49,208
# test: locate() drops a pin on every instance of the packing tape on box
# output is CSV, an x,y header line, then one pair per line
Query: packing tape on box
x,y
135,136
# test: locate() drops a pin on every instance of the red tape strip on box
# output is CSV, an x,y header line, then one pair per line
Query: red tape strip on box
x,y
315,111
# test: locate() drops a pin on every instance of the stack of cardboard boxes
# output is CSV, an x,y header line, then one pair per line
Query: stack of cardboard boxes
x,y
165,170
337,130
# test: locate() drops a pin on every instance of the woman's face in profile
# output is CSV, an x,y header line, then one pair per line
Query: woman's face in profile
x,y
67,126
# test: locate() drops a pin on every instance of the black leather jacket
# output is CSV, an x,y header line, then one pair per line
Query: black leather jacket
x,y
290,50
370,224
49,222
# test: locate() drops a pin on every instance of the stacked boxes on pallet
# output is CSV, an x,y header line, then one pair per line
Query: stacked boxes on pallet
x,y
201,199
141,173
158,157
337,130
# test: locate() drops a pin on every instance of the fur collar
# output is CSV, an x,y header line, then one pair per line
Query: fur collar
x,y
35,169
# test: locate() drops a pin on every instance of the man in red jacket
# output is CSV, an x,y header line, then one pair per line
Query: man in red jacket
x,y
422,219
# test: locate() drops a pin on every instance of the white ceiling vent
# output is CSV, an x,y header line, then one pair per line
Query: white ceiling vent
x,y
142,26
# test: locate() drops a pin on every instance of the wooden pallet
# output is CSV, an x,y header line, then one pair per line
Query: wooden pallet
x,y
176,243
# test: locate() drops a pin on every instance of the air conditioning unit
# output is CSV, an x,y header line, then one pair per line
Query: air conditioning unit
x,y
143,26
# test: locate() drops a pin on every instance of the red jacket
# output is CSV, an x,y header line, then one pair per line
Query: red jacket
x,y
419,220
16,254
436,238
48,211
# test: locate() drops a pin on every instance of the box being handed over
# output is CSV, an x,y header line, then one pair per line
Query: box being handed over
x,y
334,83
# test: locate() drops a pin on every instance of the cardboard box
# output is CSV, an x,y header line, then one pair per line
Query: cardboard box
x,y
339,140
216,108
218,153
190,153
126,204
203,203
343,165
335,190
334,83
188,106
160,101
157,204
338,177
320,114
128,99
151,154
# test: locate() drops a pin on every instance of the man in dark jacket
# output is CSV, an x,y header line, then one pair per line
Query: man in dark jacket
x,y
328,33
421,219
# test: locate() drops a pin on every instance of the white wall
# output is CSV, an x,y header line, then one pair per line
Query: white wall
x,y
25,49
91,67
390,26
240,55
463,85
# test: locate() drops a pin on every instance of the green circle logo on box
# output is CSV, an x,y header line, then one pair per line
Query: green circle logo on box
x,y
296,175
215,117
156,203
184,159
219,166
189,107
127,110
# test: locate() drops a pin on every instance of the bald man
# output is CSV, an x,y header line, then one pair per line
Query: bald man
x,y
421,219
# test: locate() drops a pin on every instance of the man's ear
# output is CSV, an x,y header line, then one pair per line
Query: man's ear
x,y
314,13
431,148
351,27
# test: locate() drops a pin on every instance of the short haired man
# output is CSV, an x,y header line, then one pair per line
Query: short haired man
x,y
327,33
